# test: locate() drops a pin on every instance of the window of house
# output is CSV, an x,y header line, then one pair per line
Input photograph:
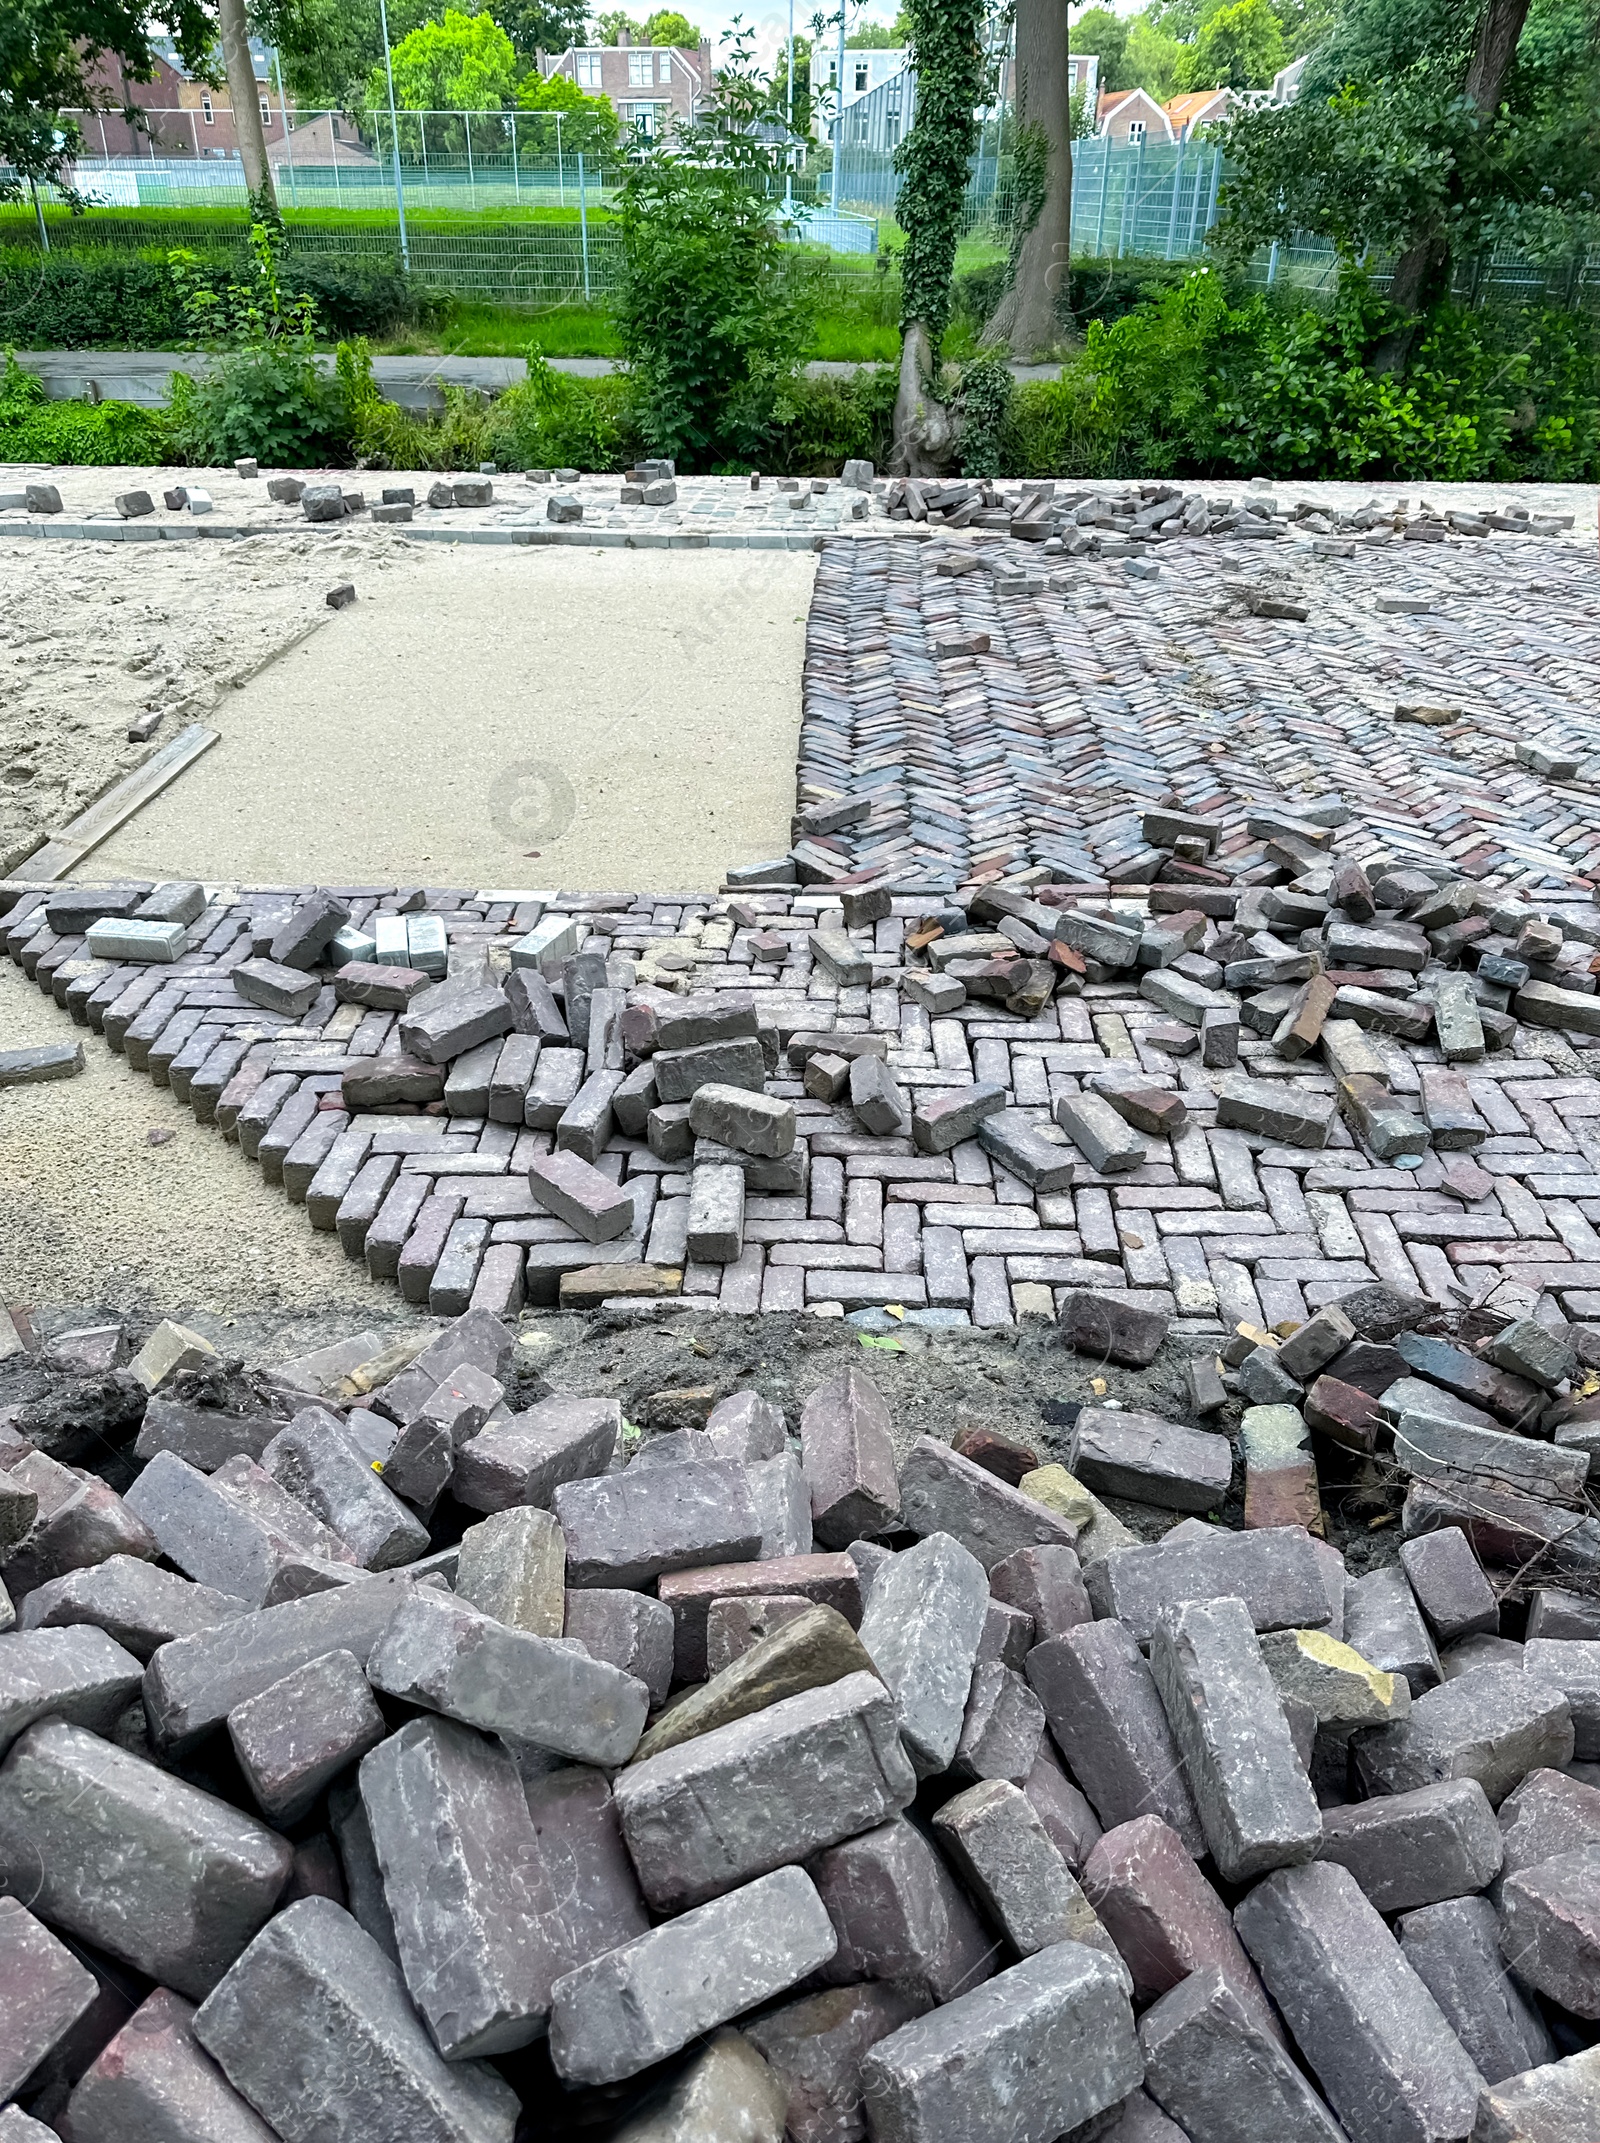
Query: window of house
x,y
861,76
588,70
1136,130
638,69
266,112
833,74
663,66
205,107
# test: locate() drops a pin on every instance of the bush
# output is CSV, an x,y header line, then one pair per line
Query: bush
x,y
33,428
819,424
1097,289
133,301
273,404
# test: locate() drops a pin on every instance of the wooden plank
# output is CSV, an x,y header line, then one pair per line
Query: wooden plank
x,y
68,846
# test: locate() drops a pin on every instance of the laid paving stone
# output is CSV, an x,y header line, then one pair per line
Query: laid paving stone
x,y
436,1651
1253,1798
313,2026
46,1990
142,1865
1165,1918
1495,1725
1550,1929
641,2002
1034,2051
1106,1716
900,1916
295,1738
1370,2030
1454,1949
1210,2064
922,1627
154,2080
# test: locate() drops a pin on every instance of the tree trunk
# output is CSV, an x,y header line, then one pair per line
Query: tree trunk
x,y
923,433
1027,316
1422,273
245,99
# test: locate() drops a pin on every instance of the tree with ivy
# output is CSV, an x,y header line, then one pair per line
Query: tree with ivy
x,y
1041,253
933,160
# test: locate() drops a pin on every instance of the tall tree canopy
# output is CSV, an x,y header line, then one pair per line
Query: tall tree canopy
x,y
51,49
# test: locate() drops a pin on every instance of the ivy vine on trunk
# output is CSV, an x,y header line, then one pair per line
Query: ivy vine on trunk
x,y
933,161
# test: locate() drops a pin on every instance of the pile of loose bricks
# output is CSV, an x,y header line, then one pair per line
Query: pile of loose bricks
x,y
411,1750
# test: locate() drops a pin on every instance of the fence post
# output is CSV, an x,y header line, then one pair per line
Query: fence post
x,y
1122,221
583,227
1177,188
472,184
1105,181
516,175
1216,181
1272,265
561,172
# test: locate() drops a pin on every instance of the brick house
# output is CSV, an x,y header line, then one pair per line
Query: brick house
x,y
1132,115
1202,107
189,117
650,85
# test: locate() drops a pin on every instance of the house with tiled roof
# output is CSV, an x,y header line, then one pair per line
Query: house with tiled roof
x,y
1132,115
1201,107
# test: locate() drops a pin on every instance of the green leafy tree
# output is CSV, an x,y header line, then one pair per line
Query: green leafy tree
x,y
1098,31
464,63
613,25
878,36
668,27
535,26
49,50
1155,60
1238,47
588,123
933,160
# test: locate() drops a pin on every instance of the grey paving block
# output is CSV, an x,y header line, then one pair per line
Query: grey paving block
x,y
1454,1949
1002,1727
316,1462
638,2004
942,1492
155,2084
744,1798
144,1866
438,1652
630,1629
1447,1580
1107,1142
625,1529
747,1427
1165,1918
781,1497
1111,1330
442,1024
527,1457
1383,1622
1009,1863
1495,1725
1547,1814
1034,2051
1046,1585
237,1529
295,1738
816,2046
1106,1715
807,1650
465,1883
1254,1800
314,2028
1150,1460
77,1674
1556,2103
922,1627
901,1916
594,1899
1571,1665
512,1565
848,1455
1413,1849
1273,1569
44,1990
1550,1929
1211,2066
1373,2035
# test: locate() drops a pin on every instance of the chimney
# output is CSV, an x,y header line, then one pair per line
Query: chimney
x,y
624,38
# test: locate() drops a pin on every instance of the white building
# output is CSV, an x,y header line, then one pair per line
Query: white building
x,y
864,71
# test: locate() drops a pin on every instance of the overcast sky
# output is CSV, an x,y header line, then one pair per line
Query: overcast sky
x,y
770,23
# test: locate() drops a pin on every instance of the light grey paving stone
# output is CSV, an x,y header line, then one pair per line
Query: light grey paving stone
x,y
1046,1586
1149,1459
728,2090
155,2084
901,1916
641,2002
358,1862
716,1213
594,1900
1033,2052
1210,2065
1412,1849
81,1675
512,1566
1373,2035
1447,1580
1106,1715
1009,1863
816,2046
1548,1813
235,1529
1454,1949
1550,1929
1556,2103
193,1683
314,2028
527,1457
1572,1665
464,1883
1254,1800
1495,1725
781,1496
744,1798
922,1627
295,1738
625,1529
848,1454
1107,1142
1002,1727
942,1492
438,1652
44,1990
747,1427
316,1462
1273,1569
144,1866
1383,1622
752,1123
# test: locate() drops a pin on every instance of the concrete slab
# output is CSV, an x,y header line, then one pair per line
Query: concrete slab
x,y
577,717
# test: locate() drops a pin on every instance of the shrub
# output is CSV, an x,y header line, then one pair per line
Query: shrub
x,y
819,424
33,428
